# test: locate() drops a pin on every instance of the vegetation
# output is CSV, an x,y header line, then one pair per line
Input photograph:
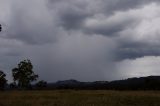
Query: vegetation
x,y
3,80
24,74
41,84
80,98
0,27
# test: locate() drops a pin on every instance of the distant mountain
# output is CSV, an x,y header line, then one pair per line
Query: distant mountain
x,y
68,82
142,83
145,83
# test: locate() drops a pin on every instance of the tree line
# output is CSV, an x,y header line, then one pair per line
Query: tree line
x,y
23,76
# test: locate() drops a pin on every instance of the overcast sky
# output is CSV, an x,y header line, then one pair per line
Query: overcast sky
x,y
86,40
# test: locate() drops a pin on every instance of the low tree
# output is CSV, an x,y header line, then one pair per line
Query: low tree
x,y
13,85
23,74
0,27
3,80
41,84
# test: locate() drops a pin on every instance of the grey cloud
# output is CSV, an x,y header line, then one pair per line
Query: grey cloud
x,y
71,14
74,12
29,25
118,5
103,6
144,66
77,56
79,39
72,19
135,50
110,26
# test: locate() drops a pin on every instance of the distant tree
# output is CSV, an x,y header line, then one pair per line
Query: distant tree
x,y
13,85
0,27
3,80
41,84
24,74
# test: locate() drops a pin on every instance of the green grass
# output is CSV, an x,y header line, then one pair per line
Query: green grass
x,y
80,98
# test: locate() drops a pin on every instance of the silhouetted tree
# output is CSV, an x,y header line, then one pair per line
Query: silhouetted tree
x,y
0,27
13,85
24,74
41,84
3,80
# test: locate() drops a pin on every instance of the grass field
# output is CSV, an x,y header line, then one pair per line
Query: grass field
x,y
80,98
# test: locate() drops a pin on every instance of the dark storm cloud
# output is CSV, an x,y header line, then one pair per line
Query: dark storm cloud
x,y
133,51
72,14
81,39
72,19
108,26
103,6
124,5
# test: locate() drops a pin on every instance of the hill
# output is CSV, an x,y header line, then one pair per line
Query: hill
x,y
141,83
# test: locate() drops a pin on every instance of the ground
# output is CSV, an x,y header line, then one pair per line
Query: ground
x,y
80,98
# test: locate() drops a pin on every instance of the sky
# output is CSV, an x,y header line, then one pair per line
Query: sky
x,y
86,40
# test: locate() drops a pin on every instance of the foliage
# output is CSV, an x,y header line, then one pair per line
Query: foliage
x,y
23,74
0,27
3,80
13,85
41,84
